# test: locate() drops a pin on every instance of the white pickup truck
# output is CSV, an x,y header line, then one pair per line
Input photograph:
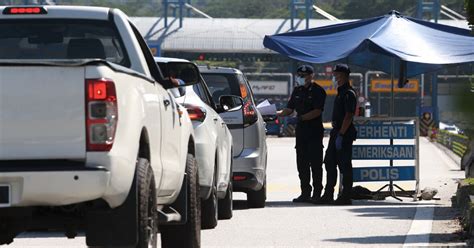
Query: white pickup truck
x,y
90,139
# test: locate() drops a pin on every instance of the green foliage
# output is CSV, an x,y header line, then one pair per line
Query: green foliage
x,y
343,9
370,8
247,8
232,64
469,4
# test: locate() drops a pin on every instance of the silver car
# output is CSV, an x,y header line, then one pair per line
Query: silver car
x,y
213,144
248,132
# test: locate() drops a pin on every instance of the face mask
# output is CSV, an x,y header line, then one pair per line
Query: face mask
x,y
334,82
300,81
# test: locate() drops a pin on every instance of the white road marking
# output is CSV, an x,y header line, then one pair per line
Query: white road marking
x,y
419,233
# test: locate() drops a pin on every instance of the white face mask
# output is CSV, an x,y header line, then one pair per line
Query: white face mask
x,y
300,81
334,81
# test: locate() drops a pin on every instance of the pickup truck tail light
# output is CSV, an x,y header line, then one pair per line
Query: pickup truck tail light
x,y
195,113
250,115
101,114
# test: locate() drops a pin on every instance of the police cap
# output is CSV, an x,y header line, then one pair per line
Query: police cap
x,y
342,68
307,69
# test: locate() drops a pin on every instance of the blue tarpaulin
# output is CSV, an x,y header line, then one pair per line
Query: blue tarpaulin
x,y
377,42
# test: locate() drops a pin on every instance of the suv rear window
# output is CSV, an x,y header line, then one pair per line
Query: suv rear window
x,y
61,39
224,84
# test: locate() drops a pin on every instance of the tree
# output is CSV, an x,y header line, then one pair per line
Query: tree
x,y
469,4
247,8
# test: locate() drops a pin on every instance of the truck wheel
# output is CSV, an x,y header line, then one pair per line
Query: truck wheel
x,y
189,234
256,199
209,208
226,204
147,214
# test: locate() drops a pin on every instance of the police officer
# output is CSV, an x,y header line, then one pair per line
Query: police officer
x,y
343,134
308,100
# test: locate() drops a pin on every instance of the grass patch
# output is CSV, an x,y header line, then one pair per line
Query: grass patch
x,y
470,184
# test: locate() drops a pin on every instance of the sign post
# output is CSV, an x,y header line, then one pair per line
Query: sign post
x,y
392,129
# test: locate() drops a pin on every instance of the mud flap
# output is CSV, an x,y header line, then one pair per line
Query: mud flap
x,y
114,227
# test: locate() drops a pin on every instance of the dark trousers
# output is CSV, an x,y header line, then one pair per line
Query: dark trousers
x,y
309,160
343,159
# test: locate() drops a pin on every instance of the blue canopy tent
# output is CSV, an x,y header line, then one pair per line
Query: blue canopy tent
x,y
393,43
416,46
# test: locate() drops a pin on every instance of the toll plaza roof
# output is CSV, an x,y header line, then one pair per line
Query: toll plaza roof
x,y
225,35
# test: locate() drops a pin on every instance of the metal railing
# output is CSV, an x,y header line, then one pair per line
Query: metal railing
x,y
457,143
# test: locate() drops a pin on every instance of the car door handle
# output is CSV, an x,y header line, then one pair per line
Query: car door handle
x,y
215,119
166,102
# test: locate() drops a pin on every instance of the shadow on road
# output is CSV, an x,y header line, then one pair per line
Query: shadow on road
x,y
45,234
393,239
242,205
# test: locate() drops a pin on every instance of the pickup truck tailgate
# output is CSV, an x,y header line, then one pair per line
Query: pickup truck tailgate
x,y
42,112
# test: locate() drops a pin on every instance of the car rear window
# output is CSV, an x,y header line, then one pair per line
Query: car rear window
x,y
61,39
224,84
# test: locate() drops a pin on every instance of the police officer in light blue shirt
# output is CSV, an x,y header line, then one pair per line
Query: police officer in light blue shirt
x,y
308,100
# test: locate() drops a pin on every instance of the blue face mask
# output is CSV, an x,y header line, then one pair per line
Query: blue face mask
x,y
300,81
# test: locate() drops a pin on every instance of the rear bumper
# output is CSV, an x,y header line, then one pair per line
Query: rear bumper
x,y
251,165
250,183
55,188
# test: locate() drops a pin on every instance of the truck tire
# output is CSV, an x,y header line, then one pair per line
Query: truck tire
x,y
143,195
187,235
209,208
256,199
226,205
147,214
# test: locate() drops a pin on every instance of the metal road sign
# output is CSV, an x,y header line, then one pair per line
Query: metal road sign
x,y
383,131
383,152
390,129
375,174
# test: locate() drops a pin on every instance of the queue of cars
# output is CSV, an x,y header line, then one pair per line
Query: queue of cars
x,y
101,137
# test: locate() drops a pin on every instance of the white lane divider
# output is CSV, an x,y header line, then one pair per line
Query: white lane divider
x,y
420,230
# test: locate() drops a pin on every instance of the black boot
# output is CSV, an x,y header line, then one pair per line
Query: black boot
x,y
302,198
326,199
343,200
316,196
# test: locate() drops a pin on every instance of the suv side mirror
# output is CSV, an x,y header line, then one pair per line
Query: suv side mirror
x,y
229,103
180,73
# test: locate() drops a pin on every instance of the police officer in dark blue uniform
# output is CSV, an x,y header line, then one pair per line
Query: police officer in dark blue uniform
x,y
308,100
343,134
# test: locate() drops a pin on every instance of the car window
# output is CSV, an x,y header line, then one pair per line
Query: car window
x,y
61,39
222,84
200,91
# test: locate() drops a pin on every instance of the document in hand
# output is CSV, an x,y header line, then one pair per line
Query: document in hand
x,y
266,108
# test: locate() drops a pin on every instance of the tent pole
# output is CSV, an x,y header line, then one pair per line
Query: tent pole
x,y
392,100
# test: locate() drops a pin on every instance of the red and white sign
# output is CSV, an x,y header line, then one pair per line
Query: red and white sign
x,y
328,70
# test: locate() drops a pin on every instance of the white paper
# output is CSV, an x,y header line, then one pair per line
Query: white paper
x,y
263,104
266,108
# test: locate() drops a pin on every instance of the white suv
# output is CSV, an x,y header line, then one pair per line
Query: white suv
x,y
248,132
213,142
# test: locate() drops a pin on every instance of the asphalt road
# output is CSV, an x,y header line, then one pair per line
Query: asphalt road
x,y
387,223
